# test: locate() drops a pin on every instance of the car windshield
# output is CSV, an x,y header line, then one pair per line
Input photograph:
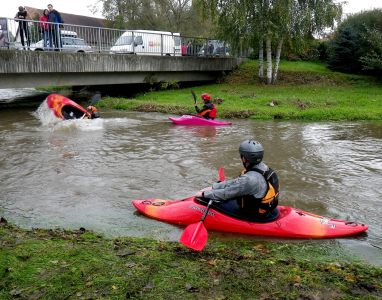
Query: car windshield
x,y
124,40
80,42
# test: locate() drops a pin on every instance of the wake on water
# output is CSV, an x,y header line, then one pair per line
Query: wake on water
x,y
47,118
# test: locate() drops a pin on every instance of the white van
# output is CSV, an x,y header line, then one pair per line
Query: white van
x,y
148,42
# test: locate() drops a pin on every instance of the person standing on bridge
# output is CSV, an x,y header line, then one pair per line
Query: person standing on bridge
x,y
45,27
23,15
209,110
189,49
55,17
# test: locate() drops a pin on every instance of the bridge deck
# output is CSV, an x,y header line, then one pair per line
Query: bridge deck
x,y
19,69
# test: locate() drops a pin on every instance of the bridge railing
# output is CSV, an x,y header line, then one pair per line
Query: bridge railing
x,y
46,36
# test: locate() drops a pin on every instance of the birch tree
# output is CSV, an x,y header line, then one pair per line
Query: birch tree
x,y
259,23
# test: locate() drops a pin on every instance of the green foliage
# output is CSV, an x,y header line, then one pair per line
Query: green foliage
x,y
254,22
165,15
373,60
322,49
253,55
356,37
171,84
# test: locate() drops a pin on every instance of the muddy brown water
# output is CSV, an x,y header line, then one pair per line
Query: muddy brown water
x,y
85,173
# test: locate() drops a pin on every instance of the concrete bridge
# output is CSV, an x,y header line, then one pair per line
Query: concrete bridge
x,y
20,69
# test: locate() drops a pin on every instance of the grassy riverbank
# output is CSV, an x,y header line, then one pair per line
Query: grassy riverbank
x,y
305,91
59,264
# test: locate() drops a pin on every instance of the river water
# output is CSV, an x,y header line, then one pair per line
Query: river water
x,y
85,173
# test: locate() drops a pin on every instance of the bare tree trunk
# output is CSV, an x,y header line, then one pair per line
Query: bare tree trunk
x,y
277,61
269,59
261,59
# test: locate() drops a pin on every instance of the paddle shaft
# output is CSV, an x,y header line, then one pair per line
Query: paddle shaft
x,y
201,221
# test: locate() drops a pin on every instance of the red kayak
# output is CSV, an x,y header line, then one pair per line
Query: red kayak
x,y
193,120
288,222
65,108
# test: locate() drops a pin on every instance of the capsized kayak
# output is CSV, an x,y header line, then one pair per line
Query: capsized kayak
x,y
193,120
290,222
65,108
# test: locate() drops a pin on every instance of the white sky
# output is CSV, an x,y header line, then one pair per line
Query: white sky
x,y
8,8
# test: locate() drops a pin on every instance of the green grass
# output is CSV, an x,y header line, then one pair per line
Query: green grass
x,y
59,264
305,91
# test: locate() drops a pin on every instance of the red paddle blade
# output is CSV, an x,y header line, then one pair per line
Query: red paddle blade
x,y
195,236
221,174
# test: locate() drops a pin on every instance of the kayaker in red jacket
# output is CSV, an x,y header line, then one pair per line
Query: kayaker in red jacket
x,y
255,195
209,109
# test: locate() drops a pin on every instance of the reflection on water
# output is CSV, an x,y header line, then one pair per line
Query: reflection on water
x,y
85,173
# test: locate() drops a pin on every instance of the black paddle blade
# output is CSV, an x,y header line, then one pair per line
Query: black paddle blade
x,y
95,99
193,95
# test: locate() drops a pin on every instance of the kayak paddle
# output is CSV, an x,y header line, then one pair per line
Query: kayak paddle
x,y
221,174
195,236
193,95
95,99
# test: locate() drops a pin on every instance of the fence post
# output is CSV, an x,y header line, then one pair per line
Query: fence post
x,y
99,40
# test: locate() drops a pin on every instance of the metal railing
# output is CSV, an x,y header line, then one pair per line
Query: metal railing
x,y
46,36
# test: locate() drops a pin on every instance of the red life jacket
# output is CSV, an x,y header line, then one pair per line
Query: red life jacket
x,y
213,111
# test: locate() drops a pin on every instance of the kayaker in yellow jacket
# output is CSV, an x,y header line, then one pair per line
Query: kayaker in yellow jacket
x,y
256,190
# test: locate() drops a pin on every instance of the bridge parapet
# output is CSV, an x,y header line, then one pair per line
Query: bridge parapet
x,y
41,69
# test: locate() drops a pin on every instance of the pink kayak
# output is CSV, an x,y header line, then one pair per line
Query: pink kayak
x,y
193,120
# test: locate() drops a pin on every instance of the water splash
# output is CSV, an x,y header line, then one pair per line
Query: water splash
x,y
45,115
52,123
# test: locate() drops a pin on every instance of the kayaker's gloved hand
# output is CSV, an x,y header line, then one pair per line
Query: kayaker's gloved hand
x,y
200,193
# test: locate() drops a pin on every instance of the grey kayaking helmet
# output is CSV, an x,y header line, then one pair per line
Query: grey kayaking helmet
x,y
252,151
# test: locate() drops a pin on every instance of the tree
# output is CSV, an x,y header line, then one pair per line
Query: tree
x,y
373,59
357,43
170,15
259,23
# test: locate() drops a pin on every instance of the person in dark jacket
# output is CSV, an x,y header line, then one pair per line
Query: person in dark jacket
x,y
209,110
210,49
23,15
255,192
55,17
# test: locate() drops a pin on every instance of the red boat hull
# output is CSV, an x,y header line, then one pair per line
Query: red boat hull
x,y
65,108
291,223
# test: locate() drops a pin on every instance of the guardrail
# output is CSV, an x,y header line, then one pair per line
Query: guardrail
x,y
46,36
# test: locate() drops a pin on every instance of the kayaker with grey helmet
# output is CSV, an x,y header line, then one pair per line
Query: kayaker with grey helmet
x,y
256,190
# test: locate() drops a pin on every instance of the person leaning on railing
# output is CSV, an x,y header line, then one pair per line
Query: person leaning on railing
x,y
23,15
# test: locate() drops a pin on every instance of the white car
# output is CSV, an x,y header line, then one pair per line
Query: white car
x,y
69,44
